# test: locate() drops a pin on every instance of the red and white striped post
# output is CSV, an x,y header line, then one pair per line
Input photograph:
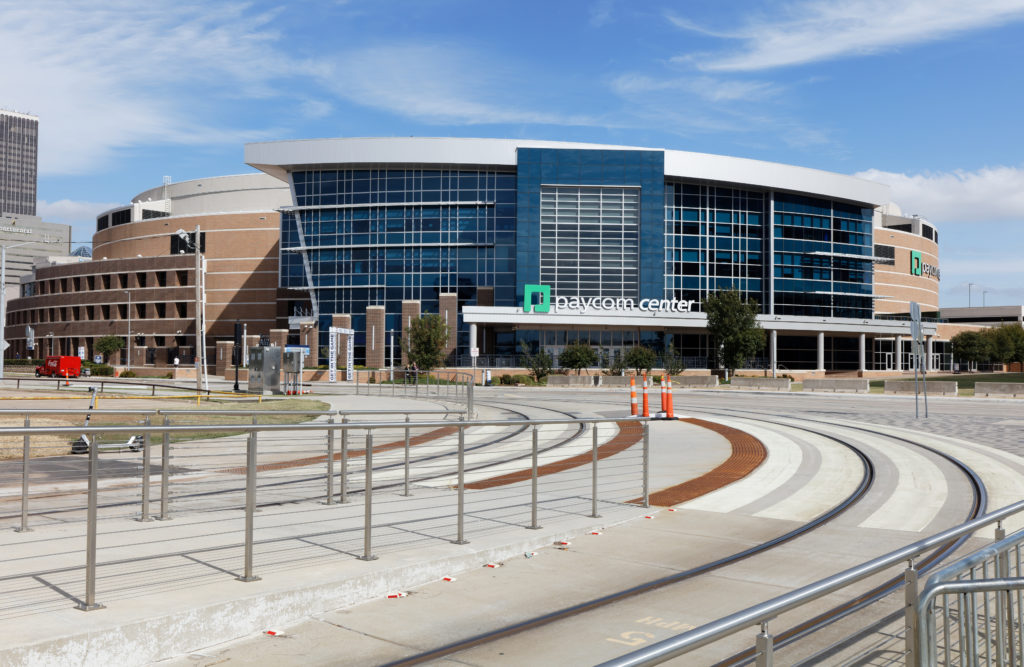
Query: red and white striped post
x,y
647,406
632,396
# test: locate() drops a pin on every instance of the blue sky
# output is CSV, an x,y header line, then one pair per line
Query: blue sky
x,y
925,95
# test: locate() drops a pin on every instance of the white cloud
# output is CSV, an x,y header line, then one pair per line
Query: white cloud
x,y
708,88
69,211
814,30
434,84
991,194
600,13
119,74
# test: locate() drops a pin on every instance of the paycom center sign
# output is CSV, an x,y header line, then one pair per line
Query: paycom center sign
x,y
537,299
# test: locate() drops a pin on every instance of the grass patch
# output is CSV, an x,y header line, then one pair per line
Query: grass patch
x,y
54,445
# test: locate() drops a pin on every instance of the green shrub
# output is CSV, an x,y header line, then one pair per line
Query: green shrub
x,y
505,379
523,379
23,362
101,370
128,374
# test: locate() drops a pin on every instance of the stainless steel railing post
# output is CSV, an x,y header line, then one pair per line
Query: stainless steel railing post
x,y
765,647
533,484
90,531
910,599
368,501
407,456
145,474
330,462
647,463
250,504
344,462
593,485
26,456
461,538
165,472
469,397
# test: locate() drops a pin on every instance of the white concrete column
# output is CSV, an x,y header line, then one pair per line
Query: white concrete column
x,y
773,349
821,350
898,354
862,353
928,354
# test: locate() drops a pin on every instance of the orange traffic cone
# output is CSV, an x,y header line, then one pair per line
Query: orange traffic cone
x,y
632,396
647,406
671,408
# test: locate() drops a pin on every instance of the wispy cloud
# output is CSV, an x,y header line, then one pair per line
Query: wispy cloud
x,y
119,74
114,76
808,31
601,13
435,84
991,194
707,88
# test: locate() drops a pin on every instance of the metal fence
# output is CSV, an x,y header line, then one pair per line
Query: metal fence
x,y
336,461
445,384
759,616
971,612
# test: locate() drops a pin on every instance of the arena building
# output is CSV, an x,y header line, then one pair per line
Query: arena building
x,y
141,281
544,243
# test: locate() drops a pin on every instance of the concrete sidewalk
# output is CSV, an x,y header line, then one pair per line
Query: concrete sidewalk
x,y
169,587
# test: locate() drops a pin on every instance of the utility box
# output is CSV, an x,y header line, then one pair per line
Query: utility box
x,y
264,370
292,361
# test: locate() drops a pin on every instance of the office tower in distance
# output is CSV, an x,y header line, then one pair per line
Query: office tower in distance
x,y
19,144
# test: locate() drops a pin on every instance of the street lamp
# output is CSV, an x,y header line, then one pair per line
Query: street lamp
x,y
983,298
970,286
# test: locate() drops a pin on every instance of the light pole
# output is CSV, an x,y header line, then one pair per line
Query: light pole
x,y
970,287
983,298
3,300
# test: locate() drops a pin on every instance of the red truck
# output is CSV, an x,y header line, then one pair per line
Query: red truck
x,y
60,367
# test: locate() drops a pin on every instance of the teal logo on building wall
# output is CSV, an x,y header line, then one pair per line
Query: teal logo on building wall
x,y
543,304
915,263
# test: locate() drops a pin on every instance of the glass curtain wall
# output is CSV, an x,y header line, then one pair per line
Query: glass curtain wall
x,y
379,236
823,257
714,239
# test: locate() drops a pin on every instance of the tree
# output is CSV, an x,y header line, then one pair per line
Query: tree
x,y
539,364
674,364
733,326
108,345
577,356
970,346
1006,343
641,358
424,341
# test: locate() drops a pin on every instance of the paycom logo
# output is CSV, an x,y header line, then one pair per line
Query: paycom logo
x,y
915,263
543,294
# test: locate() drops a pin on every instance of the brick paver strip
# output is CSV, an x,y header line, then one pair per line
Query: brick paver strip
x,y
629,434
747,454
312,460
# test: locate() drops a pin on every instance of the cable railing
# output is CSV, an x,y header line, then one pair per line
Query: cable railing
x,y
491,474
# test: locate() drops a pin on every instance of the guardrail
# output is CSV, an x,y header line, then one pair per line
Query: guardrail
x,y
760,615
980,600
252,466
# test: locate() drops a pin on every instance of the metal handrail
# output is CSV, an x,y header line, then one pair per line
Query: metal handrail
x,y
74,411
89,602
318,426
762,613
942,582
